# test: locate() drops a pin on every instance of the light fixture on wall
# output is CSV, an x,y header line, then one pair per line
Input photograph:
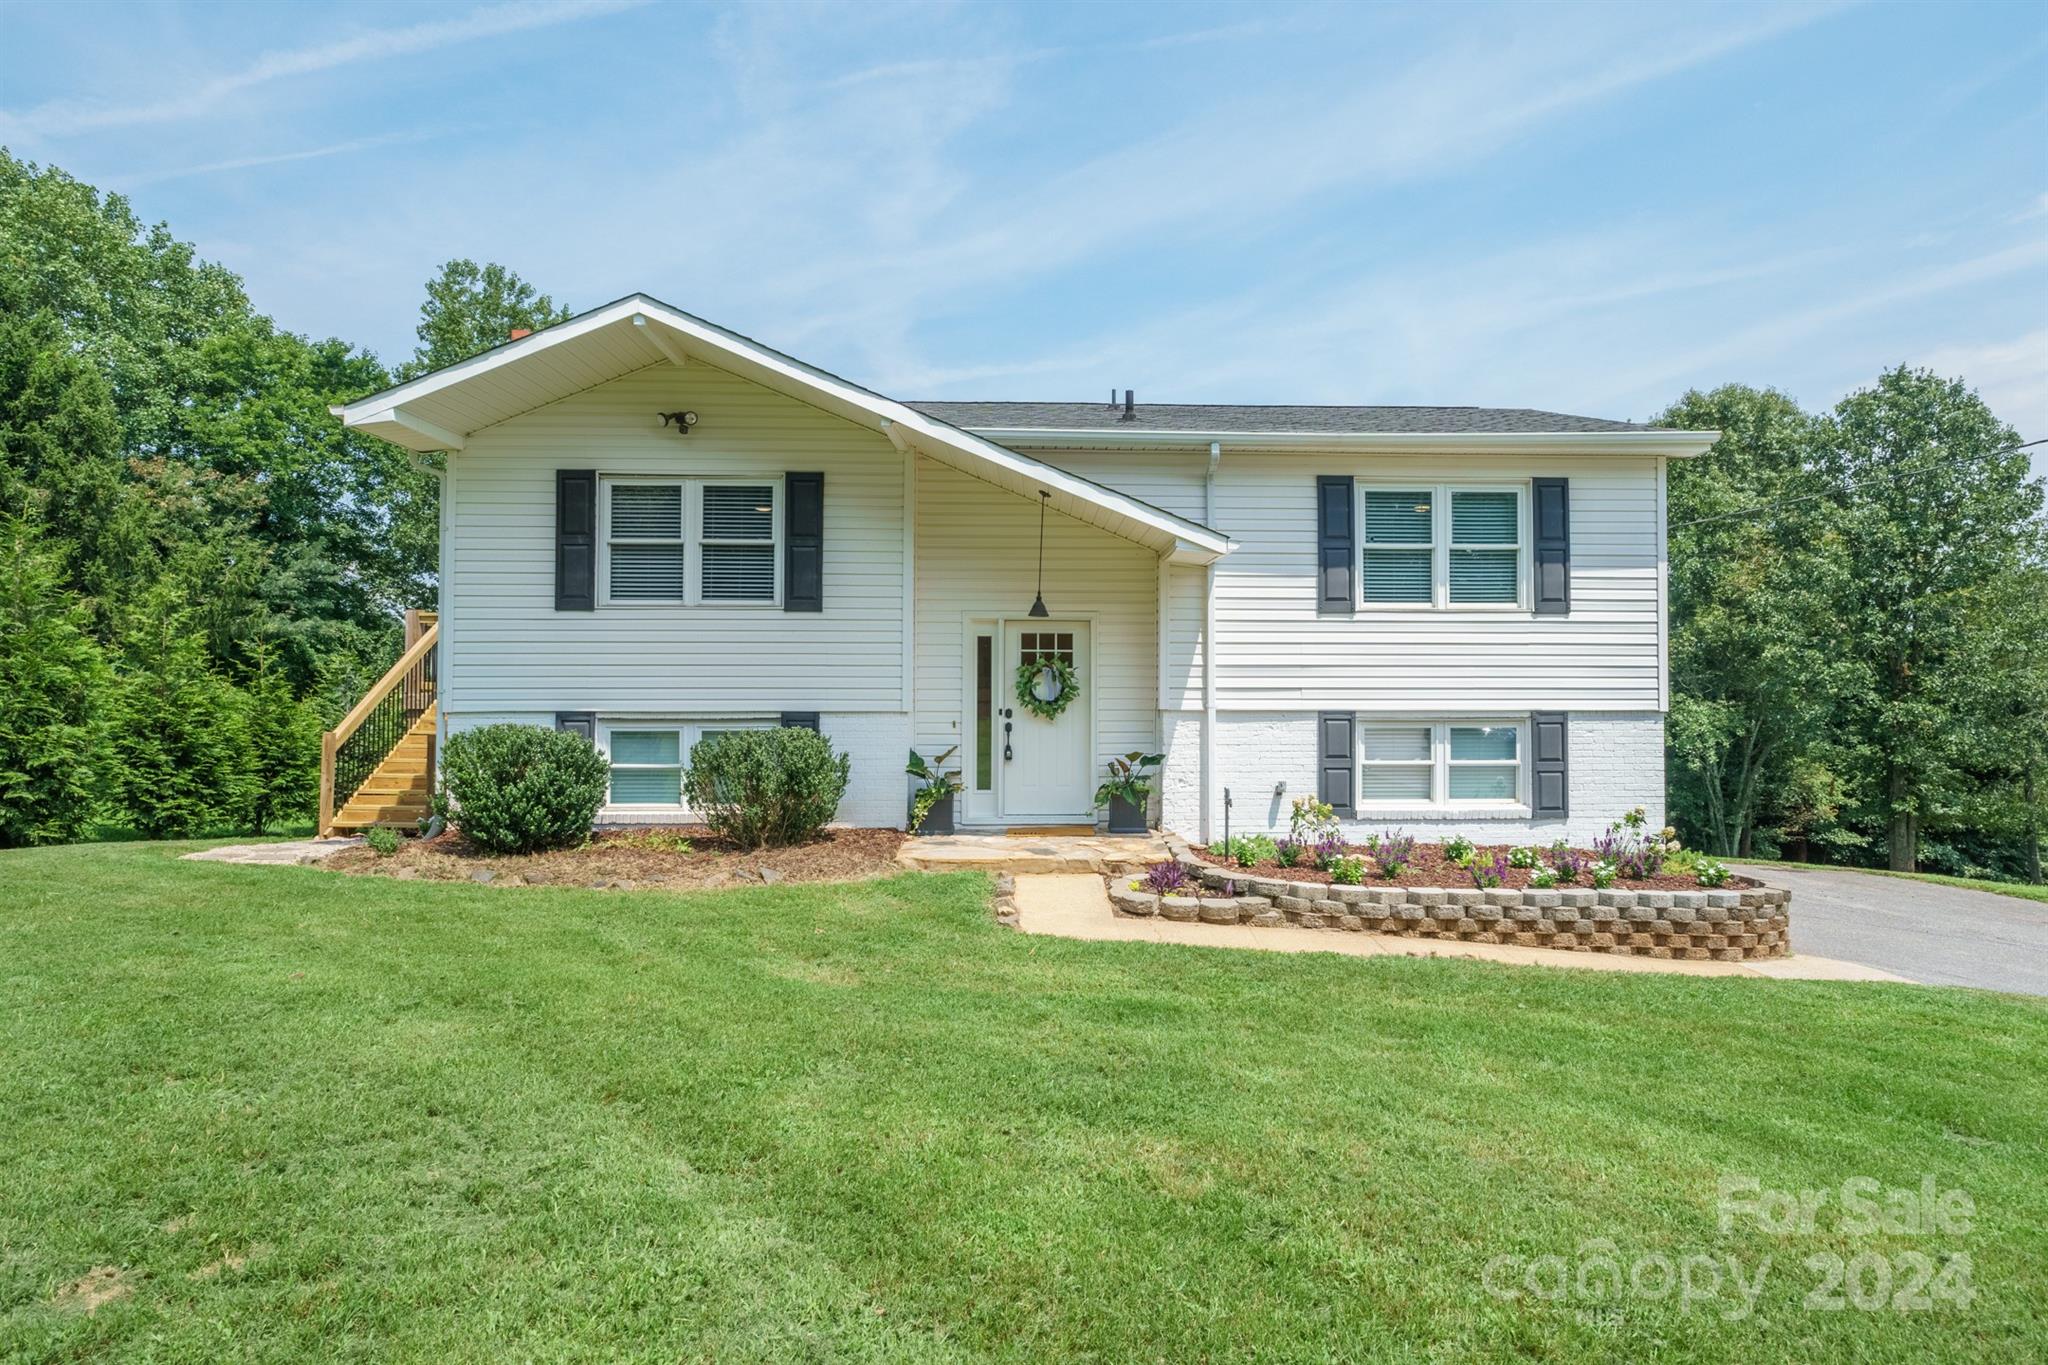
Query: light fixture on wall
x,y
683,420
1038,602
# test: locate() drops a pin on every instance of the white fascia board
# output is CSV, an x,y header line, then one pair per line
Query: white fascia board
x,y
1672,444
379,410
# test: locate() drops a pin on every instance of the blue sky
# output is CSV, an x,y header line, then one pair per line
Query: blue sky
x,y
1586,208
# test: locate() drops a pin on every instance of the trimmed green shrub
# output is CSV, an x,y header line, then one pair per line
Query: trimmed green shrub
x,y
520,789
761,787
382,840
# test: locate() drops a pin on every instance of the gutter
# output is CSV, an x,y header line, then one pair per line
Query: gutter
x,y
1673,444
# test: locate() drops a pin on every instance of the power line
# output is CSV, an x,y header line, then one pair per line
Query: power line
x,y
1895,475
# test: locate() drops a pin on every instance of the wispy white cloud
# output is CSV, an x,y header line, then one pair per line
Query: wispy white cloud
x,y
2012,376
241,163
69,116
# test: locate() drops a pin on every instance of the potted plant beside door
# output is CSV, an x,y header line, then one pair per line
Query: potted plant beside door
x,y
931,810
1128,791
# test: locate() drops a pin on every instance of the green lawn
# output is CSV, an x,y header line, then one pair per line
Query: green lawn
x,y
300,1116
2021,889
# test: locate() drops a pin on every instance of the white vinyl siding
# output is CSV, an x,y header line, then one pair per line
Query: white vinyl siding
x,y
1460,764
1274,652
977,557
511,651
731,554
1443,546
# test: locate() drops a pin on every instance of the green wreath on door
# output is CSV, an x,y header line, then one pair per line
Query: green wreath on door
x,y
1065,681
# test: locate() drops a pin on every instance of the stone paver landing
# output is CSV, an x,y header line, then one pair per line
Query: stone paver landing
x,y
1025,854
283,853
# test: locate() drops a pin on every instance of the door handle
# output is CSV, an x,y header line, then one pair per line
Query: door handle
x,y
1007,754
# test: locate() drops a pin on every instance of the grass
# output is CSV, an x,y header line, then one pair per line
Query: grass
x,y
2022,890
278,1114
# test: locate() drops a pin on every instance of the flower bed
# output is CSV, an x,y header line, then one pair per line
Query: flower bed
x,y
677,859
1432,867
1627,857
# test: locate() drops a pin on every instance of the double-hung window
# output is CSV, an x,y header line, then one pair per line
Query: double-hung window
x,y
692,541
1441,545
1441,763
648,759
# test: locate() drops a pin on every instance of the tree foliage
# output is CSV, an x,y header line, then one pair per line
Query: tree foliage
x,y
1859,605
168,463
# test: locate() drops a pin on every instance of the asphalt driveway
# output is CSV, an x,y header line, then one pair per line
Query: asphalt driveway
x,y
1938,935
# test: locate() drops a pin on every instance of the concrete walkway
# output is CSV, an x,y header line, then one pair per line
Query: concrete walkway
x,y
283,853
1025,854
1077,906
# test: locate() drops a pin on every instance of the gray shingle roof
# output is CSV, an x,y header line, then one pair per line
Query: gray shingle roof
x,y
1264,418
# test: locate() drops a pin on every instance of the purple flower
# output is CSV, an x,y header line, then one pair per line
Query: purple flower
x,y
1489,874
1166,878
1570,865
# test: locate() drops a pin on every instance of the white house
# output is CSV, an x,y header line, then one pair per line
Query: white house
x,y
1439,619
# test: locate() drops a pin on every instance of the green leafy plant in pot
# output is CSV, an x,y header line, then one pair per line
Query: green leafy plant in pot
x,y
931,809
1128,790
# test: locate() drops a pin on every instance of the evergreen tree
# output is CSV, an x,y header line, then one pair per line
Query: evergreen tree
x,y
284,747
178,731
52,681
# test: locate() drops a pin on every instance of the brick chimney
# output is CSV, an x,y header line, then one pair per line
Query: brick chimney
x,y
518,332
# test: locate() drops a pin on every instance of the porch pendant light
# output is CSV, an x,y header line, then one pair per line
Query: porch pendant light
x,y
1038,601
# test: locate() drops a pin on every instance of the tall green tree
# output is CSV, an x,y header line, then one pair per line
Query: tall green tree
x,y
52,689
1937,513
1754,639
470,308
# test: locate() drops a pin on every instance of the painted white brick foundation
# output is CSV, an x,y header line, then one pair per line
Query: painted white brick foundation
x,y
877,793
1267,759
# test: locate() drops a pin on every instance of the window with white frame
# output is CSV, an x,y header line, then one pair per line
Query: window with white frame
x,y
692,541
648,759
1441,545
1441,763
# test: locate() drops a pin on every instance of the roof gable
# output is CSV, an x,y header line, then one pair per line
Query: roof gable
x,y
438,411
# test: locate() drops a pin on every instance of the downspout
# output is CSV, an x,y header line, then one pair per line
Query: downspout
x,y
1209,653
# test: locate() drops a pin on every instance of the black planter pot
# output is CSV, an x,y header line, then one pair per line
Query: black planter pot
x,y
939,819
1126,817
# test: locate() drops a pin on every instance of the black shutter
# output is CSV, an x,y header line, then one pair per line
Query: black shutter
x,y
1549,764
1335,545
801,720
582,723
1336,773
575,540
803,542
1553,546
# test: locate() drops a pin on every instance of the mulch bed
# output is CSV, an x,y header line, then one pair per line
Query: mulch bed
x,y
1432,869
630,859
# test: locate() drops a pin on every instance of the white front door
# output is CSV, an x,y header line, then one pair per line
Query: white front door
x,y
1046,767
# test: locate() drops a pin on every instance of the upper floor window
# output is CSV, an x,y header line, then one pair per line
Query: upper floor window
x,y
692,541
1441,545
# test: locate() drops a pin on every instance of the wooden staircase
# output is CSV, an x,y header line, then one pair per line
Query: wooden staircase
x,y
398,790
377,766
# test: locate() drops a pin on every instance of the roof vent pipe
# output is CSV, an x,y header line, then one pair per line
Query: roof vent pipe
x,y
1130,406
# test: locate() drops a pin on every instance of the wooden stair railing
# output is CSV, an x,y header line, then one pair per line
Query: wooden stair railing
x,y
375,727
